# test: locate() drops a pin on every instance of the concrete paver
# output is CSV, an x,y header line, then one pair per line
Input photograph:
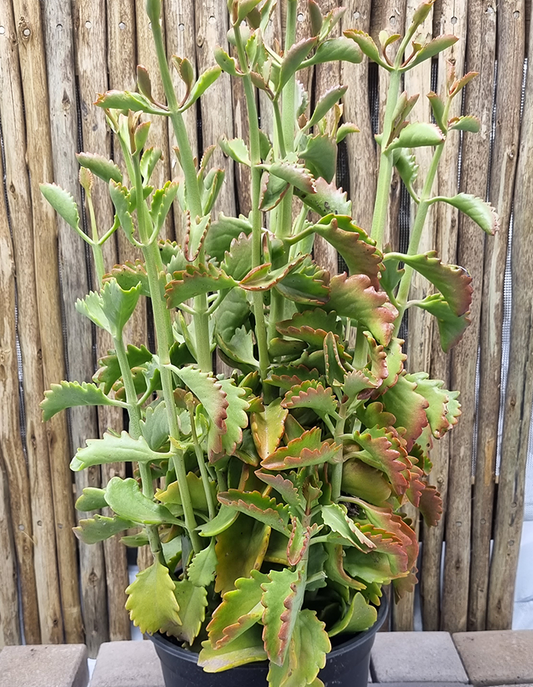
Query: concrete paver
x,y
497,657
62,665
127,664
416,657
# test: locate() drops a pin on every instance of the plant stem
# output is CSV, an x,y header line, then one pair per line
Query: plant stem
x,y
202,467
97,248
336,475
381,205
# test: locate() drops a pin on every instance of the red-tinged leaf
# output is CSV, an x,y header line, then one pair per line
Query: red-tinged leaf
x,y
452,281
430,505
333,364
404,585
312,395
298,541
195,281
362,480
284,487
443,409
479,211
130,275
367,45
238,258
359,616
240,549
416,486
272,191
432,48
467,123
268,428
326,199
308,284
263,278
408,407
305,451
360,256
246,648
334,567
381,450
282,598
451,327
196,236
373,415
239,610
356,298
358,384
294,58
378,359
237,418
395,360
462,82
336,518
320,156
375,567
259,507
222,232
296,175
286,376
314,319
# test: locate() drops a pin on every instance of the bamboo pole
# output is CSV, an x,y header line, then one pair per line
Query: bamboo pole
x,y
510,52
38,159
451,18
519,390
90,39
361,148
9,598
481,47
83,425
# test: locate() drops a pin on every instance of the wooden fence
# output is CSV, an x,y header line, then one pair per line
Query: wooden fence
x,y
55,56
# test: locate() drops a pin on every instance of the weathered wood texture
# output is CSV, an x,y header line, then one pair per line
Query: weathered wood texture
x,y
54,59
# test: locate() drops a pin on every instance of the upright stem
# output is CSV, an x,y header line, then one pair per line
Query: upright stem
x,y
336,476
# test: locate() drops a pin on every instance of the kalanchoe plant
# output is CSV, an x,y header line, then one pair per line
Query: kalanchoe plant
x,y
280,514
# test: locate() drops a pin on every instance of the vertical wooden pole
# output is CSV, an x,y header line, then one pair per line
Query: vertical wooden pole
x,y
479,94
519,390
510,52
83,425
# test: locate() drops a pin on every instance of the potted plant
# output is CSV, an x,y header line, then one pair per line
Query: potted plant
x,y
278,516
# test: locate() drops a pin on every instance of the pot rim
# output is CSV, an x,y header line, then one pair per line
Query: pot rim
x,y
350,644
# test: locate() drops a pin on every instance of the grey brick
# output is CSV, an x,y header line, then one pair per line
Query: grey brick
x,y
44,666
127,664
416,657
497,657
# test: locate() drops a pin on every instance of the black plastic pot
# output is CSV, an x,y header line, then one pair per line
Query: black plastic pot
x,y
346,666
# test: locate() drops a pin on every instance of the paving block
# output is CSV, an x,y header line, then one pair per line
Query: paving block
x,y
62,665
497,657
127,664
418,684
416,657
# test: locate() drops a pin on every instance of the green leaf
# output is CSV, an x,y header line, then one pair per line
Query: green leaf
x,y
344,130
222,520
172,496
205,80
192,602
237,149
129,100
293,60
237,419
222,232
201,571
109,371
383,451
312,395
326,199
240,610
369,484
306,655
359,617
443,410
324,105
431,49
100,528
114,449
100,166
246,648
407,167
416,135
71,394
151,601
91,498
195,281
467,123
120,197
63,203
293,174
303,451
226,63
272,191
438,109
335,50
282,598
262,508
268,428
245,7
162,202
482,213
367,45
306,284
451,327
356,298
284,487
408,407
124,496
336,518
112,307
263,277
320,156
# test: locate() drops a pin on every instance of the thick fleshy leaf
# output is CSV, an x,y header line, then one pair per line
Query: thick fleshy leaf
x,y
482,213
91,498
466,123
192,602
304,451
326,198
452,281
246,648
195,281
130,275
201,570
367,45
299,540
63,203
358,618
129,100
334,566
306,655
71,394
238,259
125,497
320,156
312,395
109,370
236,419
100,166
272,191
315,319
240,548
307,284
205,80
356,298
282,598
336,518
451,327
240,609
408,407
171,495
324,105
237,149
395,360
294,174
381,450
162,202
151,600
239,350
335,49
262,508
100,528
416,135
113,449
225,62
443,410
222,232
430,505
112,307
293,59
268,428
362,480
284,487
431,49
222,521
